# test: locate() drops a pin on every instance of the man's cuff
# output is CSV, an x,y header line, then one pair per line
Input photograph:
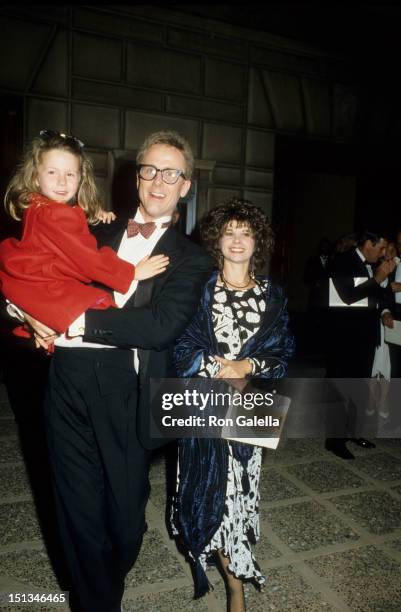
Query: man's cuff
x,y
15,312
77,327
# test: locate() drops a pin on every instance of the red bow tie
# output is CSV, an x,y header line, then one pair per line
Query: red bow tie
x,y
146,229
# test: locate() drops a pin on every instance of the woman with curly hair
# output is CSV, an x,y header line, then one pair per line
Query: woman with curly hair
x,y
239,331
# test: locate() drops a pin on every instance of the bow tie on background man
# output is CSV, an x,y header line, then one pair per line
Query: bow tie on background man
x,y
146,229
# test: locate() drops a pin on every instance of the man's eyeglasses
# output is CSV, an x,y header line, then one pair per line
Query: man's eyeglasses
x,y
69,140
170,176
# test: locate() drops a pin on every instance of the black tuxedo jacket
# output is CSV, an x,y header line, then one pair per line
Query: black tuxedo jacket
x,y
355,330
155,315
346,267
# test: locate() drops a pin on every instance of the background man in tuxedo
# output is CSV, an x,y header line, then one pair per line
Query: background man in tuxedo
x,y
355,330
97,404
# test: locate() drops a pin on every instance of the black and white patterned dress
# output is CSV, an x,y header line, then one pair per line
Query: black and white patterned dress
x,y
240,525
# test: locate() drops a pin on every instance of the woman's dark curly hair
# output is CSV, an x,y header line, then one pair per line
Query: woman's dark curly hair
x,y
244,213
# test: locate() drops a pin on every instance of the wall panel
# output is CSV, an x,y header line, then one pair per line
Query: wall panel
x,y
52,76
208,43
21,46
118,25
259,105
204,108
140,125
45,114
96,126
97,57
217,195
120,95
260,149
222,143
225,80
155,67
286,100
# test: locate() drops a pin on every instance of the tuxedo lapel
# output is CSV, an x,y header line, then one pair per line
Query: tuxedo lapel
x,y
167,245
358,268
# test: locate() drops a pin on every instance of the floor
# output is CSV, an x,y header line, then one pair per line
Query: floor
x,y
331,534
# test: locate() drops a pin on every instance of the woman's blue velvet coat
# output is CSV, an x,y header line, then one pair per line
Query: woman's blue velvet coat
x,y
204,461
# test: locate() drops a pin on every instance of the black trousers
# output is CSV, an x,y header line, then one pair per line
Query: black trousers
x,y
395,359
351,356
100,470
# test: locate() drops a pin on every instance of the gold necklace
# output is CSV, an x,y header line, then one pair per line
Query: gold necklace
x,y
227,282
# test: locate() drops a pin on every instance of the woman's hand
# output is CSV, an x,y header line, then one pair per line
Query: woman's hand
x,y
150,266
233,369
106,216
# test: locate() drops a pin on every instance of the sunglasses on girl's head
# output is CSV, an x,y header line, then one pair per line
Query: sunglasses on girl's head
x,y
70,140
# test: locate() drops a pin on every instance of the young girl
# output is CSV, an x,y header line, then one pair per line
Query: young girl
x,y
47,273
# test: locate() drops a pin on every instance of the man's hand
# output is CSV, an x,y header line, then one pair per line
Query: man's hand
x,y
388,320
395,287
44,336
383,270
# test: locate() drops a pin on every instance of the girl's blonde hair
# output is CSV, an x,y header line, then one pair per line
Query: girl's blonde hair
x,y
23,183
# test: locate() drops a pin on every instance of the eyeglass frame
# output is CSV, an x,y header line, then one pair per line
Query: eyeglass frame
x,y
161,170
48,134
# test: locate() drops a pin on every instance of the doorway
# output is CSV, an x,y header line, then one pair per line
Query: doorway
x,y
314,198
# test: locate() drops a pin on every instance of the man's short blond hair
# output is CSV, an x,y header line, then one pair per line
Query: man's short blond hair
x,y
171,139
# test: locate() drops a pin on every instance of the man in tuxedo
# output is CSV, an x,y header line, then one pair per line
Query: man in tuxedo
x,y
97,404
355,329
